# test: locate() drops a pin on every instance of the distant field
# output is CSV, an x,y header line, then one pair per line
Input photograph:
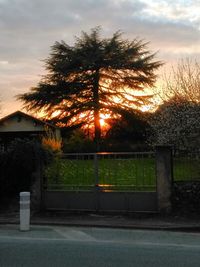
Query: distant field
x,y
120,174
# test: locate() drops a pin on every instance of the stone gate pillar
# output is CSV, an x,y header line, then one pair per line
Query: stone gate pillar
x,y
164,174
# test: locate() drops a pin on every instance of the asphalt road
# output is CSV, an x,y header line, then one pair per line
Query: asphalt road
x,y
95,247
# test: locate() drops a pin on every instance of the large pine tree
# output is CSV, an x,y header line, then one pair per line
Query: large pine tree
x,y
94,76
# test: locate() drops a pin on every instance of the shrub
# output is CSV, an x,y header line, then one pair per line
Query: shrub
x,y
18,163
52,142
78,142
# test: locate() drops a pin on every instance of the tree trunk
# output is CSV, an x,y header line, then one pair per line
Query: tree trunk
x,y
97,126
97,129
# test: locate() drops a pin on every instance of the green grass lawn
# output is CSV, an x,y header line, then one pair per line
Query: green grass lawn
x,y
132,174
123,173
186,169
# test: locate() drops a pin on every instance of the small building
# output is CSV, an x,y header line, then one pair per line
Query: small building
x,y
22,125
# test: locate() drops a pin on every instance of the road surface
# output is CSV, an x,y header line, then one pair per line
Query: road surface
x,y
95,247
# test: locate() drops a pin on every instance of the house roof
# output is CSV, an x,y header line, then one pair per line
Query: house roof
x,y
25,115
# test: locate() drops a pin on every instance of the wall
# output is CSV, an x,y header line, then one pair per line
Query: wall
x,y
18,124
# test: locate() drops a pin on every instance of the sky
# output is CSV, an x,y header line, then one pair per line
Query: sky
x,y
28,29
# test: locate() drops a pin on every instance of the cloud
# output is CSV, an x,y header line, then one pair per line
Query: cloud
x,y
29,28
179,10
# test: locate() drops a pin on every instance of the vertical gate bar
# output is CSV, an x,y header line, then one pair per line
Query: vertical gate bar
x,y
96,177
96,169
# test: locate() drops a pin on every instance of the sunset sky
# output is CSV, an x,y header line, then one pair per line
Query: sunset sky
x,y
29,27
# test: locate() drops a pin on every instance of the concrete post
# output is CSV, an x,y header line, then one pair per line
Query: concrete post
x,y
24,211
164,177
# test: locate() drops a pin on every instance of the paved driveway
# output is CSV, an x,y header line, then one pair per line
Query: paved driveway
x,y
95,247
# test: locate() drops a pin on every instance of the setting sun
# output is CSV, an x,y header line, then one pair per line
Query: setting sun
x,y
102,122
103,118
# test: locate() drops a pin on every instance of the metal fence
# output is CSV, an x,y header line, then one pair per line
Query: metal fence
x,y
186,166
102,171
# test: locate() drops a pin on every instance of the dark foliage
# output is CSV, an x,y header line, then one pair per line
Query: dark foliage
x,y
18,163
78,142
129,133
186,197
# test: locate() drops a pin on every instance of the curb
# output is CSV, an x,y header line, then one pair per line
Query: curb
x,y
153,227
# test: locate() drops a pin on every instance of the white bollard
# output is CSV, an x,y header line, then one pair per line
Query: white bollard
x,y
24,211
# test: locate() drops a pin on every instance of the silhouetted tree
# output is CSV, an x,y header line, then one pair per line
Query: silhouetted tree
x,y
183,82
91,77
131,126
177,121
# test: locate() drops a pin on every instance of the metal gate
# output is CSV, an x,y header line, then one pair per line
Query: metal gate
x,y
102,182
